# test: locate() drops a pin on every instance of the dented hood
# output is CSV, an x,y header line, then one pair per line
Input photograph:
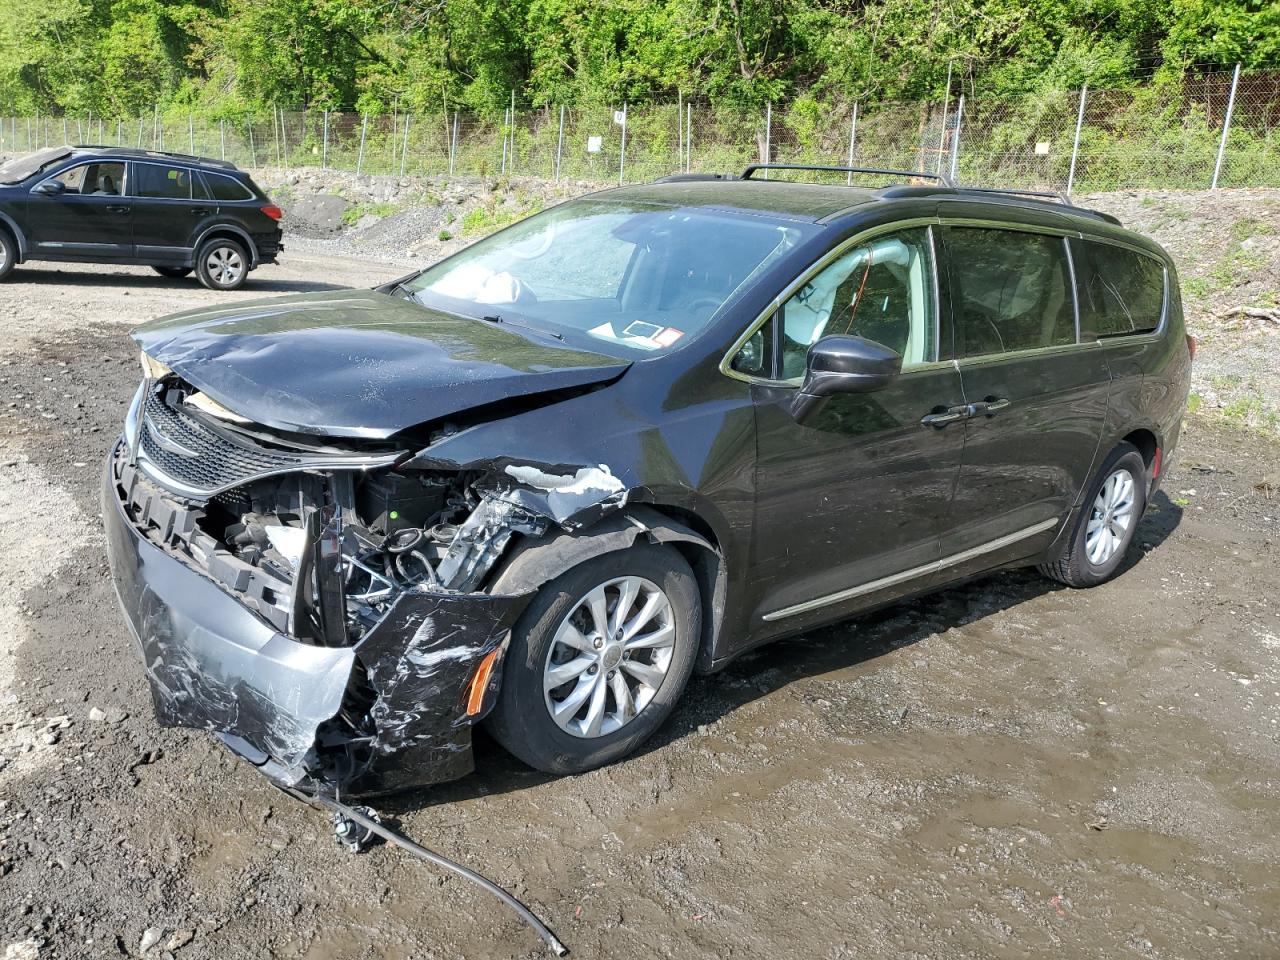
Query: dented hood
x,y
354,363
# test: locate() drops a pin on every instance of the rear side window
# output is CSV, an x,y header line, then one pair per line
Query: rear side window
x,y
226,188
162,182
1010,291
1121,291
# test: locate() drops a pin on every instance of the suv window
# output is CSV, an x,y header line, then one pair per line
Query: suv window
x,y
1010,291
881,290
227,188
1121,291
99,179
162,181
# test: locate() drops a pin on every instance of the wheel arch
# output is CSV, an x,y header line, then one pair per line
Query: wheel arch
x,y
227,231
19,237
535,562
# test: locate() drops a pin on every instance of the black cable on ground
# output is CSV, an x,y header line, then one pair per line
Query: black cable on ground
x,y
422,853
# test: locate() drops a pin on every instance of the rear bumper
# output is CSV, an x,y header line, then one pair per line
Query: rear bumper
x,y
384,714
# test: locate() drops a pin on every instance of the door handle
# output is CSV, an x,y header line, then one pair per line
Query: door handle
x,y
199,211
988,408
942,417
118,208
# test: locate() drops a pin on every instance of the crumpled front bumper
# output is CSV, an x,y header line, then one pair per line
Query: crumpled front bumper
x,y
384,714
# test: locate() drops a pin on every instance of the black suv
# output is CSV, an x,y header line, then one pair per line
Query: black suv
x,y
547,478
169,211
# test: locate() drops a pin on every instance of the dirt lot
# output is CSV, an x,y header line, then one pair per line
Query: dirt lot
x,y
1007,769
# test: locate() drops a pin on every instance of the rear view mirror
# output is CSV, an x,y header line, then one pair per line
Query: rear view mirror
x,y
51,187
842,364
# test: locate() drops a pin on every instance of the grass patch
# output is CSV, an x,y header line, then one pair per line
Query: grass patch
x,y
1247,227
353,214
483,220
1194,403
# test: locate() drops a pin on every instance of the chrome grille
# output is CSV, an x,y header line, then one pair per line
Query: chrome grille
x,y
179,452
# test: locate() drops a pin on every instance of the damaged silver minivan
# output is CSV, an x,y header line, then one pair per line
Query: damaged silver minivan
x,y
541,482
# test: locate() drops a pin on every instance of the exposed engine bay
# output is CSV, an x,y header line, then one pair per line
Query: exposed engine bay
x,y
374,632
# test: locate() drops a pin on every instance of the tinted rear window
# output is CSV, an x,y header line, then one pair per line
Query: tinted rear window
x,y
161,181
1010,291
1121,291
226,188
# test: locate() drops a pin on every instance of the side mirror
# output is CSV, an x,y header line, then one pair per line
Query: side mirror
x,y
51,187
841,364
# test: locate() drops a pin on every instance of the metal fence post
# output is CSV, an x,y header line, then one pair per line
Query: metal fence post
x,y
453,143
404,149
364,129
222,137
853,138
688,138
1075,143
253,151
560,144
622,153
191,132
680,129
768,134
955,138
1226,127
324,151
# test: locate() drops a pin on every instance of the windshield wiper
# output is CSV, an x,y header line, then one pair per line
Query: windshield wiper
x,y
498,318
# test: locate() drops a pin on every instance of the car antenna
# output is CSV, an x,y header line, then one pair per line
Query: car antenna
x,y
355,828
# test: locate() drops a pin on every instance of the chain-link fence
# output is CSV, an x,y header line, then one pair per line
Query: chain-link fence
x,y
1217,129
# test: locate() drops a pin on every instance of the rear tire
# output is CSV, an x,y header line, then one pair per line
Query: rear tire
x,y
222,264
1107,522
638,660
8,253
173,273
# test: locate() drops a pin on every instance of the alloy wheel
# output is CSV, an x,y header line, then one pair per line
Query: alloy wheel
x,y
1111,517
609,657
225,265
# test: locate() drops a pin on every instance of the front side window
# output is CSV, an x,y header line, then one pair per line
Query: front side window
x,y
162,182
1010,291
629,277
93,179
1121,291
882,290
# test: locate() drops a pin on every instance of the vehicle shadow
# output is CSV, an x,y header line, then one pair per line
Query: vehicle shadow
x,y
837,647
76,278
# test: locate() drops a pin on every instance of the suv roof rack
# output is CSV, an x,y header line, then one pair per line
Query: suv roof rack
x,y
940,178
139,152
1057,195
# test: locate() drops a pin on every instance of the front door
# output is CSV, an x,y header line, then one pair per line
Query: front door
x,y
85,216
170,202
1038,396
850,505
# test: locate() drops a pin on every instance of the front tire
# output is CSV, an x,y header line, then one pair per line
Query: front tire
x,y
8,253
1106,523
173,273
598,660
222,264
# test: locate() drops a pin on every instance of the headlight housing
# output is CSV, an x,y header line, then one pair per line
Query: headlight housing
x,y
152,369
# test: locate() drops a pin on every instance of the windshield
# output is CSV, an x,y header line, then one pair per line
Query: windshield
x,y
19,168
640,277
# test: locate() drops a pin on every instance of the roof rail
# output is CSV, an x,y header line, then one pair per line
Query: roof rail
x,y
140,152
940,178
1038,194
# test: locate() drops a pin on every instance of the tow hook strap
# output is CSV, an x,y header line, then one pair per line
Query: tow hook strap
x,y
370,825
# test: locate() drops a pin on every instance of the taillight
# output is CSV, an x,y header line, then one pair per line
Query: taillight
x,y
1156,463
272,211
1192,343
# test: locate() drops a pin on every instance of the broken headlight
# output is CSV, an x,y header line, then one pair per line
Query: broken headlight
x,y
152,369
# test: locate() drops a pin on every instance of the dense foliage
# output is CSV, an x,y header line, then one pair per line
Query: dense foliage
x,y
225,57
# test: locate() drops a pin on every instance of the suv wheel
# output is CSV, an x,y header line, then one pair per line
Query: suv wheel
x,y
173,273
598,660
8,253
222,264
1106,523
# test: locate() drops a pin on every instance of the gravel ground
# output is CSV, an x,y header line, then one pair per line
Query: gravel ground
x,y
1005,769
